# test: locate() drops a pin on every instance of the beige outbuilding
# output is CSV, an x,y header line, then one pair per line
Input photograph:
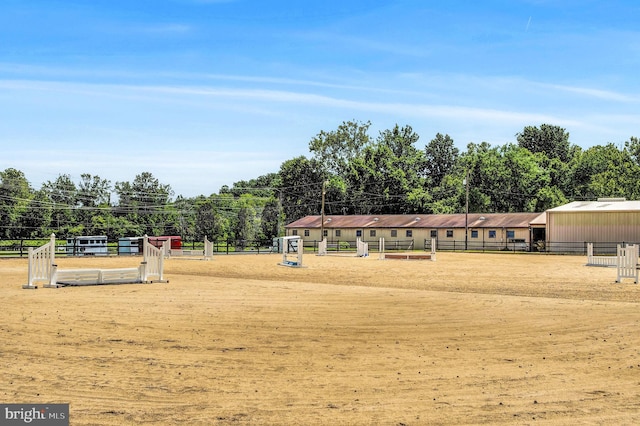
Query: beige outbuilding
x,y
606,222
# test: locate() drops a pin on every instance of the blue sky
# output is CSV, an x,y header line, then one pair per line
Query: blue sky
x,y
203,93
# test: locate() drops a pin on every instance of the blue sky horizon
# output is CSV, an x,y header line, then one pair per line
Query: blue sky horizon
x,y
204,93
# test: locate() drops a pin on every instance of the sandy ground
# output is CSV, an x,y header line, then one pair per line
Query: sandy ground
x,y
468,339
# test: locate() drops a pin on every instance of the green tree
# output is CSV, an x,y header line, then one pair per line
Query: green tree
x,y
15,198
145,202
336,149
272,221
440,158
246,226
62,193
301,187
93,204
37,218
548,139
262,186
209,219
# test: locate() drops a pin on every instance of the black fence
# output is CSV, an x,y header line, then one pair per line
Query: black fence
x,y
20,248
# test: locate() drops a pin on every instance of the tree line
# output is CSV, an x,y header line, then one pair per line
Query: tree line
x,y
354,172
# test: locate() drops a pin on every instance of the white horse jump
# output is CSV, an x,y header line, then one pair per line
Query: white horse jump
x,y
362,248
43,269
408,255
206,253
292,249
627,263
599,260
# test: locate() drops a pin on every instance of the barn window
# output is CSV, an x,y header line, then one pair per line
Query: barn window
x,y
359,233
337,232
474,233
294,232
434,233
511,234
306,232
492,233
449,233
409,233
394,232
325,233
372,233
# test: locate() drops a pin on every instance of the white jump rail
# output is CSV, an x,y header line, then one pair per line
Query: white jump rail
x,y
608,261
382,255
43,269
206,253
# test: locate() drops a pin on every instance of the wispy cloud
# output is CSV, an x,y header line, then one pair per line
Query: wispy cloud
x,y
595,93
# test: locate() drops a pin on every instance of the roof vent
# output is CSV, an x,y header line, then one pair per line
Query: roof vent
x,y
482,218
416,219
375,219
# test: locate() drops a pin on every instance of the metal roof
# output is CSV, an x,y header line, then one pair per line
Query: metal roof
x,y
602,205
475,220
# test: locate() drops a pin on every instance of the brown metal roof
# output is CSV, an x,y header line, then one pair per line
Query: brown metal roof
x,y
475,220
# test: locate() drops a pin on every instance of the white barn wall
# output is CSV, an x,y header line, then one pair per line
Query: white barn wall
x,y
593,227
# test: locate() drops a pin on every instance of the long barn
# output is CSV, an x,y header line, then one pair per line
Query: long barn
x,y
475,231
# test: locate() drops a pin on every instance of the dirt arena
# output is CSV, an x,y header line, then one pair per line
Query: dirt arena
x,y
468,339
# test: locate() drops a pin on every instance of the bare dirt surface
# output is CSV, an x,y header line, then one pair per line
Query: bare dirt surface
x,y
468,339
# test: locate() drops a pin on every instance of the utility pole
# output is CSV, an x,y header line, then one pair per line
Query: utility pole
x,y
466,212
324,191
